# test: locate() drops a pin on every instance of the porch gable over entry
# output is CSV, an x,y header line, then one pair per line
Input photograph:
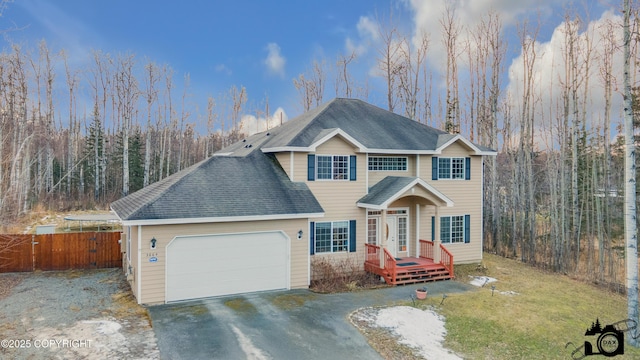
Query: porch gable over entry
x,y
392,188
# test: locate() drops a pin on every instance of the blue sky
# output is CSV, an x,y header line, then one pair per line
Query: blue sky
x,y
219,43
261,45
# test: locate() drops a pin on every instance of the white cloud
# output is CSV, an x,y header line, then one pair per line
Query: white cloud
x,y
275,62
250,124
368,34
352,47
549,74
428,16
222,68
368,28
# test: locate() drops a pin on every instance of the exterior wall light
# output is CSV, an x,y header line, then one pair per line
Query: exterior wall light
x,y
153,243
299,234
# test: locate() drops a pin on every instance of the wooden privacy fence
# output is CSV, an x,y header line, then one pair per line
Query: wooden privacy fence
x,y
65,251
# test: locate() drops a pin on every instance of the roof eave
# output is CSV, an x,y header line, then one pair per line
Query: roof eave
x,y
220,219
469,144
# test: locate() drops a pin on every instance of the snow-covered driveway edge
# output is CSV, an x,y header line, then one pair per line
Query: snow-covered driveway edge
x,y
421,330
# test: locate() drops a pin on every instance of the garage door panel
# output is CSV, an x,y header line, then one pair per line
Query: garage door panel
x,y
215,265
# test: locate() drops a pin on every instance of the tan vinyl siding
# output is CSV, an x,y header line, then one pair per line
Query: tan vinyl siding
x,y
338,198
153,273
132,278
467,198
284,159
462,253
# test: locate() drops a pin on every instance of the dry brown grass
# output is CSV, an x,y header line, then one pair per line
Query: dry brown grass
x,y
531,314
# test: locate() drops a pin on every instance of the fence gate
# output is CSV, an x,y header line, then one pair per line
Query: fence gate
x,y
65,251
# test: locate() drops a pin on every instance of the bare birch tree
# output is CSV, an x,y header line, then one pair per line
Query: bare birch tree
x,y
344,80
450,31
630,225
413,58
151,95
389,58
310,86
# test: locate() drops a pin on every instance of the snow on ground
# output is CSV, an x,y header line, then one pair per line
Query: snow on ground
x,y
422,330
481,281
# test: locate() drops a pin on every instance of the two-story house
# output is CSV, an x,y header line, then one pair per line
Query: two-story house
x,y
346,179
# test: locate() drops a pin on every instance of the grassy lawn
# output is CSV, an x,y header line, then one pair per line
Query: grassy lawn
x,y
548,311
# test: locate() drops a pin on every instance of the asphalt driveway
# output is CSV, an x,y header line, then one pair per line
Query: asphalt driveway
x,y
296,324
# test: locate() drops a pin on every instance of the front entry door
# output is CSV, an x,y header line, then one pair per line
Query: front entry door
x,y
392,235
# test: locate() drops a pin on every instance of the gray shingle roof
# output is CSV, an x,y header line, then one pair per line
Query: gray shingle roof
x,y
386,188
221,186
242,180
389,188
370,125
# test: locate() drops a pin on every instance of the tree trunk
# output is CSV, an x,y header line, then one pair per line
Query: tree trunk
x,y
630,226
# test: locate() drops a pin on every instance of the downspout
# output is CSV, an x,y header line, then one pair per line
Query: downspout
x,y
308,253
481,212
366,177
139,265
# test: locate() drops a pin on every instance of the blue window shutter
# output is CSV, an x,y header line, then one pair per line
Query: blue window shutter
x,y
434,168
352,168
467,168
467,228
312,243
311,167
352,236
433,228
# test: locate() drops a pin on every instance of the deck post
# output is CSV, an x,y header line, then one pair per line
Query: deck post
x,y
384,234
436,240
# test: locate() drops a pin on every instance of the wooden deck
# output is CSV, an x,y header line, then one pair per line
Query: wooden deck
x,y
410,270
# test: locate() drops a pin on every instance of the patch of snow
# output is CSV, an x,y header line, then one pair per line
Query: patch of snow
x,y
252,352
99,339
481,281
422,330
510,293
105,327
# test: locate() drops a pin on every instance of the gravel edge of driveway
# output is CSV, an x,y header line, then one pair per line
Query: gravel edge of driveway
x,y
93,306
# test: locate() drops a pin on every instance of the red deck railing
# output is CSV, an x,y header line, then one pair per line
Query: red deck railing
x,y
390,265
390,269
372,255
426,249
446,259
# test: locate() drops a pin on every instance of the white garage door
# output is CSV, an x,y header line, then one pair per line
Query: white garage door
x,y
214,265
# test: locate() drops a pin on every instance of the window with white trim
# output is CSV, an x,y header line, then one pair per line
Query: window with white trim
x,y
451,168
402,233
334,167
387,163
331,237
452,229
372,230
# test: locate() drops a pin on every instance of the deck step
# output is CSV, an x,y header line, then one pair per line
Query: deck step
x,y
419,275
412,274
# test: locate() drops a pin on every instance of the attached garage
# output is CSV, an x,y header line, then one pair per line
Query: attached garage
x,y
225,264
